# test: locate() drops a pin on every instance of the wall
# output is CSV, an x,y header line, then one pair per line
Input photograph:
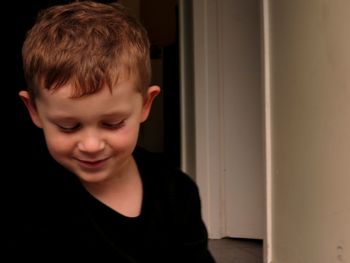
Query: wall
x,y
308,81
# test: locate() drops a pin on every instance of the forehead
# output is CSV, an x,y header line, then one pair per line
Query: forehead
x,y
123,100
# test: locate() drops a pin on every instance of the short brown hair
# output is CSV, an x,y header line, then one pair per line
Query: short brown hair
x,y
87,43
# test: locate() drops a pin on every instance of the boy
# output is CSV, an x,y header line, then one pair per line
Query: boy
x,y
87,68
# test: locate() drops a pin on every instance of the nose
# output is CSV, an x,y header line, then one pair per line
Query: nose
x,y
91,142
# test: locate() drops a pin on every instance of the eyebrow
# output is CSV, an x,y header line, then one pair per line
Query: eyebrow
x,y
114,114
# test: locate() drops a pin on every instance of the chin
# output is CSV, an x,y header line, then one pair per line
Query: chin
x,y
92,177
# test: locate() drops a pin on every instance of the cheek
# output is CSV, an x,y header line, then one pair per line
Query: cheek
x,y
59,145
126,138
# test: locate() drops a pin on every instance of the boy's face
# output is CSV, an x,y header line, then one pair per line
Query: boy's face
x,y
92,136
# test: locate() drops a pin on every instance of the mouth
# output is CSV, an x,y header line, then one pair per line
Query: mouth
x,y
92,164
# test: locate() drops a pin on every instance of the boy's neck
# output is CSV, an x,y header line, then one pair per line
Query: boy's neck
x,y
122,193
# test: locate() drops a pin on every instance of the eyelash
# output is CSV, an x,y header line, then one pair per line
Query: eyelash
x,y
114,126
68,129
110,126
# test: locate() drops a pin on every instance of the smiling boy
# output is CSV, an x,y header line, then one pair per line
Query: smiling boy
x,y
87,68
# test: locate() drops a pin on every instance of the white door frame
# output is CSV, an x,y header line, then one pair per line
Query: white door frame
x,y
206,163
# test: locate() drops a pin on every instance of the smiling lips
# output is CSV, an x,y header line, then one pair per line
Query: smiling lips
x,y
93,164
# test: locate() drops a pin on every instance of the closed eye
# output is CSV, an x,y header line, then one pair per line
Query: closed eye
x,y
68,129
113,126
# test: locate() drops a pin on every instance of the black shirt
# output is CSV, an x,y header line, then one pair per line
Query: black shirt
x,y
70,224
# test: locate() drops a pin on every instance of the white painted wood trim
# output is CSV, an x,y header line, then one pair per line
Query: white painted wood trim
x,y
266,60
208,122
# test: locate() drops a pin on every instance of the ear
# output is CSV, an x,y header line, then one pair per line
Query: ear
x,y
152,92
24,95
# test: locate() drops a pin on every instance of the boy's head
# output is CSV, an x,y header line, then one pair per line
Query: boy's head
x,y
87,68
87,44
